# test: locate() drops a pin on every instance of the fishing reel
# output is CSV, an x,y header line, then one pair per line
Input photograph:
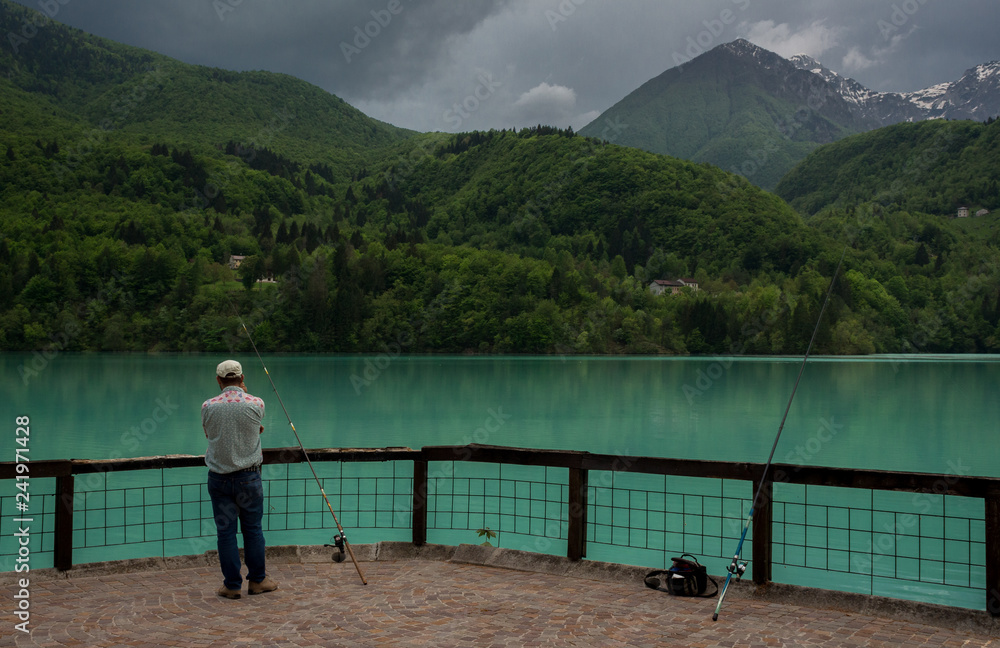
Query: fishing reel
x,y
737,568
338,542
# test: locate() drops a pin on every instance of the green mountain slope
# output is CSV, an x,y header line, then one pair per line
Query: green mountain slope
x,y
737,106
548,238
932,166
113,90
527,190
892,194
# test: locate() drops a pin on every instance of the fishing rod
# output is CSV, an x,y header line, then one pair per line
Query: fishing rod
x,y
341,540
735,567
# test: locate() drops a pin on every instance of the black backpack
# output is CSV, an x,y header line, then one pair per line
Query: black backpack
x,y
684,578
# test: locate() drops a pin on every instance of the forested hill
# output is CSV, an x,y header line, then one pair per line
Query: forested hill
x,y
485,242
932,166
85,88
512,242
533,192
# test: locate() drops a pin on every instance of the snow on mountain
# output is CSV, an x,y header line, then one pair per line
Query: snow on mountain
x,y
848,88
975,96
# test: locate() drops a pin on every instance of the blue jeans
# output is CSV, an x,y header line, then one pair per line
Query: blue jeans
x,y
239,496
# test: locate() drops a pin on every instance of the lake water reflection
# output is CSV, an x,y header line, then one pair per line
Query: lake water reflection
x,y
912,414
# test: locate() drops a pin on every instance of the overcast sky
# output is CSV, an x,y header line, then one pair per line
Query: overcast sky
x,y
458,65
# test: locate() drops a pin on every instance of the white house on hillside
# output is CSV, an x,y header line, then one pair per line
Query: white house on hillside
x,y
660,286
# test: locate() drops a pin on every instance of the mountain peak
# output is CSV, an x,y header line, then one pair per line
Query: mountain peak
x,y
809,64
742,88
975,96
742,46
985,71
743,50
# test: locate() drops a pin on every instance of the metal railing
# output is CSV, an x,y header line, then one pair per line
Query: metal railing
x,y
878,532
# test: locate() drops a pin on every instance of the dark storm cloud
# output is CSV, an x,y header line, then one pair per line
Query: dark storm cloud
x,y
377,48
458,65
938,41
406,56
893,45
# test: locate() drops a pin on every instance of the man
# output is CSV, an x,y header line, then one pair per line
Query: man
x,y
232,423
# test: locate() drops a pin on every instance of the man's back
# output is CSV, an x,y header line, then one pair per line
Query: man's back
x,y
232,422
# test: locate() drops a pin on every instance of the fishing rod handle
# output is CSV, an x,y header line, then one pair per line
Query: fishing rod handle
x,y
722,596
355,561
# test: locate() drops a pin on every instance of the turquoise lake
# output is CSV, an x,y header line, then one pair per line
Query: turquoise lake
x,y
889,413
916,414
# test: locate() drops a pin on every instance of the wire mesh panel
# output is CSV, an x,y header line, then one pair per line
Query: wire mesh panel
x,y
28,531
168,512
918,546
648,519
142,513
372,501
186,511
526,506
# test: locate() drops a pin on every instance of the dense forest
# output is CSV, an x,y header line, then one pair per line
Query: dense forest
x,y
488,242
126,201
932,167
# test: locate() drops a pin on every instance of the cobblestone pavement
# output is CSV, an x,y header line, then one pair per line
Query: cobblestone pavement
x,y
428,603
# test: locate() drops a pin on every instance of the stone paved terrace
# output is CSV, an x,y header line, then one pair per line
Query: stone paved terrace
x,y
447,596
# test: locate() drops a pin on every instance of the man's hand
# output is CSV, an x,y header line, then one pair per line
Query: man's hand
x,y
261,430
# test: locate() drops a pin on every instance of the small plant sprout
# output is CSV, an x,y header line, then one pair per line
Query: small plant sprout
x,y
486,531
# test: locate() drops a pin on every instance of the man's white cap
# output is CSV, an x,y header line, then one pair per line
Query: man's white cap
x,y
229,368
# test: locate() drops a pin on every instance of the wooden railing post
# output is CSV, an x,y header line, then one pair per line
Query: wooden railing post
x,y
419,502
576,534
62,558
993,553
762,531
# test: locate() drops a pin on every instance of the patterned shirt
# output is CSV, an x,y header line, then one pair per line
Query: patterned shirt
x,y
232,423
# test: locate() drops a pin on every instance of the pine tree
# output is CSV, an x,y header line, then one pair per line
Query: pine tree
x,y
922,258
282,235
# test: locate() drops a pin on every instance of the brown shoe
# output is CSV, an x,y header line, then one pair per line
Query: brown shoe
x,y
228,593
266,585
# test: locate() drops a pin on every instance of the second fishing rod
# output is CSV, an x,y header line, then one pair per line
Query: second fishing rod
x,y
736,568
340,540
